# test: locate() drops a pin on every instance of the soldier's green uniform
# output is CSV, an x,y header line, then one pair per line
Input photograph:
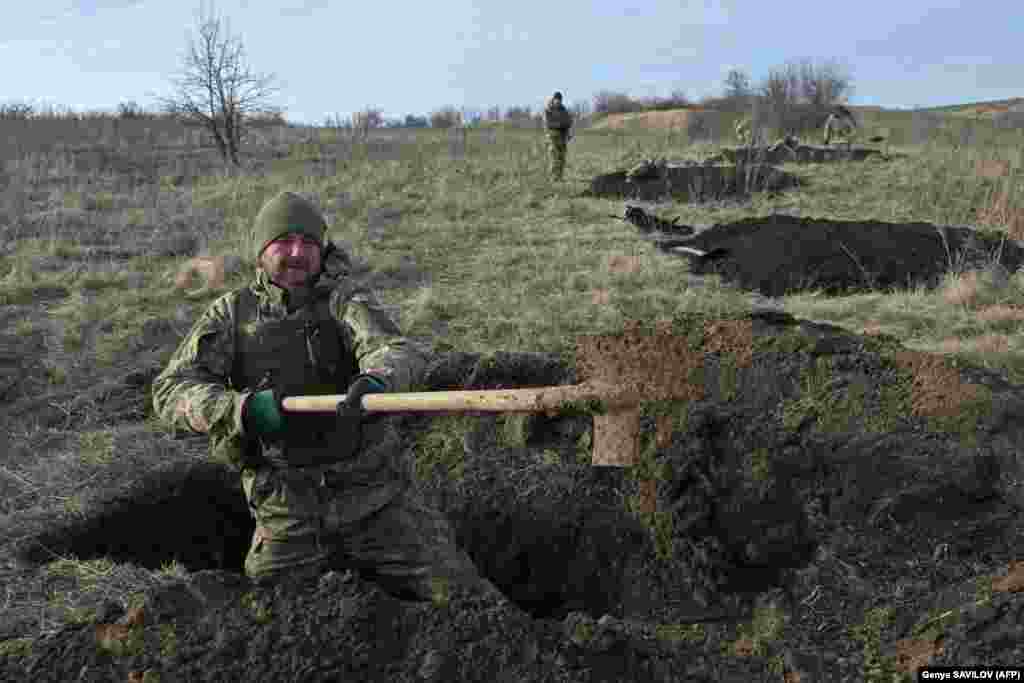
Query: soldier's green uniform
x,y
840,127
318,505
557,124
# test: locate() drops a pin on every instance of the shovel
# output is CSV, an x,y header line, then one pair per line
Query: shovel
x,y
616,430
622,372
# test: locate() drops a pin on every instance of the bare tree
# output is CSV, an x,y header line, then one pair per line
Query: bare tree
x,y
608,102
799,95
825,84
781,87
738,91
366,120
216,88
446,117
16,111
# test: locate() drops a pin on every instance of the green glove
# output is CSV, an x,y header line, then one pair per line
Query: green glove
x,y
262,415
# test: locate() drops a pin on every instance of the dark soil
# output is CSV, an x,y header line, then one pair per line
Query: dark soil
x,y
802,154
686,182
811,475
780,254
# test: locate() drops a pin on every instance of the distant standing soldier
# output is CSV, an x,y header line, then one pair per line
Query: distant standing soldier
x,y
328,491
558,122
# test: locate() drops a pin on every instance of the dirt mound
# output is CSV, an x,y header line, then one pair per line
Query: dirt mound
x,y
692,182
672,118
814,478
780,254
802,154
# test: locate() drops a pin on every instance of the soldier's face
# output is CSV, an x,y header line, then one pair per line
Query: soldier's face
x,y
291,260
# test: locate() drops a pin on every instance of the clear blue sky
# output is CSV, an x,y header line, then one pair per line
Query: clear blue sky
x,y
336,57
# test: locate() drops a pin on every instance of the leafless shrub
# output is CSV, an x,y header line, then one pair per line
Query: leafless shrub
x,y
608,102
737,93
677,100
519,113
797,96
16,111
446,117
366,120
216,88
131,110
823,84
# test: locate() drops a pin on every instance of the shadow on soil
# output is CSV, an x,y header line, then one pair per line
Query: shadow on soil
x,y
807,479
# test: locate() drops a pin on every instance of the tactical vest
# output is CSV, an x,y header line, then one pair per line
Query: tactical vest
x,y
305,353
557,118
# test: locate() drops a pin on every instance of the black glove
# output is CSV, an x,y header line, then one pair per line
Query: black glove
x,y
350,411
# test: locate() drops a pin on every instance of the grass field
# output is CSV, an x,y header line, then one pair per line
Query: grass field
x,y
474,249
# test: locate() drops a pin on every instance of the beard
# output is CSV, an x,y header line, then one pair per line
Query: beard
x,y
292,273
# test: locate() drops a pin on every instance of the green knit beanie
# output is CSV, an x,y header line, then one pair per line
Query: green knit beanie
x,y
286,213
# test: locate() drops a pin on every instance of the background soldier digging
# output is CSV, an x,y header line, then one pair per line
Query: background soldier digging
x,y
327,491
558,122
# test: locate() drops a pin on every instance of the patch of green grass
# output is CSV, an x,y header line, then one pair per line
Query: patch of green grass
x,y
96,447
26,328
441,448
16,647
174,570
759,464
168,640
765,627
56,375
877,668
659,522
680,633
257,605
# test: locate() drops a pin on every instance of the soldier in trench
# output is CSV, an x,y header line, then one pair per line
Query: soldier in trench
x,y
328,491
840,126
557,124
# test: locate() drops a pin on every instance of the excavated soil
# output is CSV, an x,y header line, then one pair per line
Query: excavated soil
x,y
694,182
802,154
779,254
806,482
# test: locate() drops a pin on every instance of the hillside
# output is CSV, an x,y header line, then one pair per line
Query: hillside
x,y
679,118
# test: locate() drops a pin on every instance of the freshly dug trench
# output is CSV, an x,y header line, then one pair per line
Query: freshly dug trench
x,y
776,255
693,182
808,458
190,512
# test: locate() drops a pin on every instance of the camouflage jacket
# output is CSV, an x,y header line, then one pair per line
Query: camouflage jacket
x,y
254,337
557,117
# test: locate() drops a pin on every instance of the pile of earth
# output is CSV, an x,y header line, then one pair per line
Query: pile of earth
x,y
691,182
812,481
801,154
780,254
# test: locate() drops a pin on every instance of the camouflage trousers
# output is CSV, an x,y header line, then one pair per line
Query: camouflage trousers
x,y
307,524
557,143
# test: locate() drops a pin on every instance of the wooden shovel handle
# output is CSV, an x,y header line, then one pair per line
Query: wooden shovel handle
x,y
540,399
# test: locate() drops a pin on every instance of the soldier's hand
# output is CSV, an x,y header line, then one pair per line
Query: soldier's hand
x,y
262,414
352,406
350,411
